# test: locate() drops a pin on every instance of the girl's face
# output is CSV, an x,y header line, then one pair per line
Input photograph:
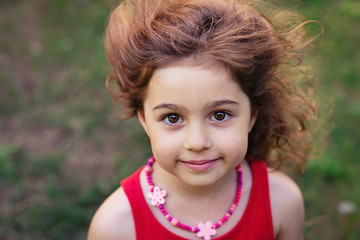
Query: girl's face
x,y
198,121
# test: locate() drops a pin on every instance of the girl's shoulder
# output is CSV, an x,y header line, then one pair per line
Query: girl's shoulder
x,y
287,206
113,219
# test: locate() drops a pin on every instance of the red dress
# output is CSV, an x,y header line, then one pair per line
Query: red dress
x,y
255,224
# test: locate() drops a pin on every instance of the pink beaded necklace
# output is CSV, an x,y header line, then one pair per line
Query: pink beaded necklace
x,y
204,231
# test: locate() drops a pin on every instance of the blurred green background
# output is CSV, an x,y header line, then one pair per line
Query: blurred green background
x,y
61,152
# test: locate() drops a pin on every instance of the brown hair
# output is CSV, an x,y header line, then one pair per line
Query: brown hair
x,y
262,56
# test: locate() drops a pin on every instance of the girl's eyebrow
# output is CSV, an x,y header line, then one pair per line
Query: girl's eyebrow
x,y
168,106
209,105
221,102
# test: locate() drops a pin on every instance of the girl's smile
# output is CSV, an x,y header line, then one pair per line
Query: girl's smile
x,y
200,165
198,120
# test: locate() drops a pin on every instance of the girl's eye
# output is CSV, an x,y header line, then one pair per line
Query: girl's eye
x,y
172,119
220,116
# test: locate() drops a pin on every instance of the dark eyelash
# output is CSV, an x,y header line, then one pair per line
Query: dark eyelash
x,y
225,111
169,114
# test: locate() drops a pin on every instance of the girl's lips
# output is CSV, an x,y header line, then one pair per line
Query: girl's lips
x,y
200,165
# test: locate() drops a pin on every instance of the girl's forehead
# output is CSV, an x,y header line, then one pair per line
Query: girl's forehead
x,y
197,81
203,63
186,76
191,76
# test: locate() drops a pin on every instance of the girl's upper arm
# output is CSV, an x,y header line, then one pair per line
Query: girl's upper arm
x,y
113,220
287,207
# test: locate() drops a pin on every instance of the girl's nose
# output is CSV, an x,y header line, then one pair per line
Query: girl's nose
x,y
197,138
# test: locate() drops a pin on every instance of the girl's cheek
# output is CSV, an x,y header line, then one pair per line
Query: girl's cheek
x,y
168,140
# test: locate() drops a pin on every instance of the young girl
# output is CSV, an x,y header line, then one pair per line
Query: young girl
x,y
215,85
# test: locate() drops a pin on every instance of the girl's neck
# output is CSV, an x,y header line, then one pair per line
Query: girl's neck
x,y
176,187
192,205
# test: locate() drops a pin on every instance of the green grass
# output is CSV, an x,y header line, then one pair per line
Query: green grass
x,y
61,152
333,178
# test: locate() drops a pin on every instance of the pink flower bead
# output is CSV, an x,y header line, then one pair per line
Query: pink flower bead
x,y
157,196
206,230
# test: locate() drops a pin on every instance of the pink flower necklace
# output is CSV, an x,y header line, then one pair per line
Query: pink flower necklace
x,y
204,231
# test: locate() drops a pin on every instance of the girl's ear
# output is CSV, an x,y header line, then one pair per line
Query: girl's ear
x,y
253,120
141,117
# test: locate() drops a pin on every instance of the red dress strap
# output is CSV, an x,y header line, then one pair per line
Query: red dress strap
x,y
255,224
146,225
